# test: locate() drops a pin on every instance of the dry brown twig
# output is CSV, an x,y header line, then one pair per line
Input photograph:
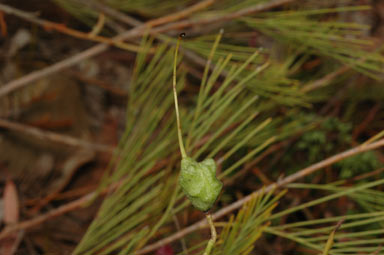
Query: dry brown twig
x,y
99,83
93,51
300,174
217,19
51,136
201,224
115,14
84,200
44,217
135,32
326,79
48,25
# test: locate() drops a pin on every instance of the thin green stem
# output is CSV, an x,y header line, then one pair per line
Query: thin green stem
x,y
212,241
181,145
203,90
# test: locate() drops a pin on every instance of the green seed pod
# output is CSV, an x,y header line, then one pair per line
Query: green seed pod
x,y
199,182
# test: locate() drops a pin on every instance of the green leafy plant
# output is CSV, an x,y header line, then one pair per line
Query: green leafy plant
x,y
198,180
242,231
358,164
247,99
356,233
322,141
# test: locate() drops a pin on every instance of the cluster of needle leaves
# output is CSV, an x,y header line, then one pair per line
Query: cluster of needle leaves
x,y
247,99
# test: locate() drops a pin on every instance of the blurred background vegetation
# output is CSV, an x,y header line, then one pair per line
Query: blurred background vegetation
x,y
89,157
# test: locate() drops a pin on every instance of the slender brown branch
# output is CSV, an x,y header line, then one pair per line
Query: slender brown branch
x,y
111,12
35,75
48,25
82,201
224,18
329,77
133,22
93,51
44,217
201,224
181,14
256,8
99,83
326,79
135,32
300,174
58,138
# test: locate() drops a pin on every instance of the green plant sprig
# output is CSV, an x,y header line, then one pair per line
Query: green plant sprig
x,y
197,179
181,144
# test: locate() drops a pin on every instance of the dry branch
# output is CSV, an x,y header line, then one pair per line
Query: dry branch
x,y
289,179
135,32
93,51
200,224
54,137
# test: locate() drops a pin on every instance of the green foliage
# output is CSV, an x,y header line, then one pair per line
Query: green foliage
x,y
144,142
248,98
240,233
331,239
332,135
315,142
339,40
319,143
359,232
141,146
359,164
273,83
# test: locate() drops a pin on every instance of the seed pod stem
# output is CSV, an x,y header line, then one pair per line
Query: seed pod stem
x,y
181,144
212,241
188,165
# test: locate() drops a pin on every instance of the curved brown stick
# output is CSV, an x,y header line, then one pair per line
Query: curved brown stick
x,y
93,51
200,224
133,33
291,178
51,214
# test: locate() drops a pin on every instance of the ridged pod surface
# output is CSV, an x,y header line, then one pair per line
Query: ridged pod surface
x,y
198,181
